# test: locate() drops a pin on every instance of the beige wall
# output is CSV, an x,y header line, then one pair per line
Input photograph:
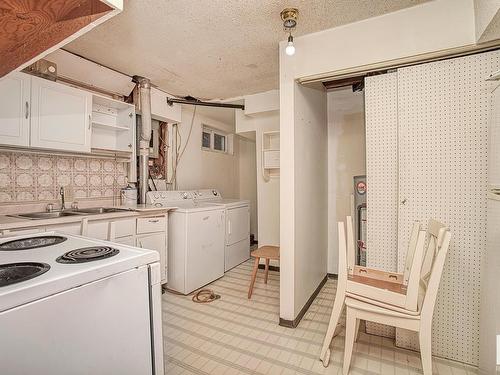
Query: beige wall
x,y
346,158
200,169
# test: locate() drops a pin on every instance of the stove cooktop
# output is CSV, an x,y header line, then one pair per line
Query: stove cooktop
x,y
12,273
31,243
87,254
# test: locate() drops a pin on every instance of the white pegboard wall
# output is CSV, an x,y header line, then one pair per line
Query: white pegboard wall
x,y
381,102
443,113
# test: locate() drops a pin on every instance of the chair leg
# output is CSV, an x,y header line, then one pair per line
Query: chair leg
x,y
332,331
254,275
356,332
350,326
426,348
266,271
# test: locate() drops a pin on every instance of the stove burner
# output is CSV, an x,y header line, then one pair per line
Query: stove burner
x,y
16,272
32,242
87,254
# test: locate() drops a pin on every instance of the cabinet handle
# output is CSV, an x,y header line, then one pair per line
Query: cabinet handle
x,y
154,220
90,120
27,110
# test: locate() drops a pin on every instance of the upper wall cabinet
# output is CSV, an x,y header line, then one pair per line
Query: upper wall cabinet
x,y
36,112
30,30
14,109
60,116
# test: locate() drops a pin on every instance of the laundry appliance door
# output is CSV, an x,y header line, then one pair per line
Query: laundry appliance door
x,y
205,248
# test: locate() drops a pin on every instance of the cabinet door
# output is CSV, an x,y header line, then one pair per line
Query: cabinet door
x,y
158,242
73,228
60,116
14,109
129,241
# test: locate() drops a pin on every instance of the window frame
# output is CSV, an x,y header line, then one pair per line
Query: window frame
x,y
212,132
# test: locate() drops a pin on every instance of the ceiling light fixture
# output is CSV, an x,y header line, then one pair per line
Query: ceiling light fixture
x,y
289,17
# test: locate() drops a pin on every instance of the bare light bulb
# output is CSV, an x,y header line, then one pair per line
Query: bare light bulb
x,y
290,48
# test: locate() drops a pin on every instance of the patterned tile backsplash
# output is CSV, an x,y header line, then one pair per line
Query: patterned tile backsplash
x,y
37,177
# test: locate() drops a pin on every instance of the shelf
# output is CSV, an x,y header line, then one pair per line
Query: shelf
x,y
109,127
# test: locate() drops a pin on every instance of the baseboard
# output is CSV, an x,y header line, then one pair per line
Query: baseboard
x,y
294,323
271,268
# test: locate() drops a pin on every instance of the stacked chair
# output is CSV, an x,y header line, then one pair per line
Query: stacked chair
x,y
403,300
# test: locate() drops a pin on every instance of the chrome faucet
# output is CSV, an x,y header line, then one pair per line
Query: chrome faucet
x,y
61,193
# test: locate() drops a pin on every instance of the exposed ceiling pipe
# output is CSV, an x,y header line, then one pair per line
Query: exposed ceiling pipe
x,y
144,86
171,101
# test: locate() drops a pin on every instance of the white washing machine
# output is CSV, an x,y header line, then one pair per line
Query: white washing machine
x,y
237,233
195,240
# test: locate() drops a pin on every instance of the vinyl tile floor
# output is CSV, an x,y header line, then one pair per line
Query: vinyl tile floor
x,y
234,335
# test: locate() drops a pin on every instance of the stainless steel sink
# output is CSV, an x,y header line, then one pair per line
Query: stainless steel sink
x,y
46,215
72,212
96,210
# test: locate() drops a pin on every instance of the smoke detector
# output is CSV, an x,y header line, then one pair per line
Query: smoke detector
x,y
289,17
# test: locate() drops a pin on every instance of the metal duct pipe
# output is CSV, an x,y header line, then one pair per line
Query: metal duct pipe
x,y
145,134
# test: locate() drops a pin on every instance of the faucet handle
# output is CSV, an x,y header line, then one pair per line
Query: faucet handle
x,y
74,206
50,207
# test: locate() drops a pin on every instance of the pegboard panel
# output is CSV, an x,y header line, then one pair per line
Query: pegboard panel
x,y
381,102
443,112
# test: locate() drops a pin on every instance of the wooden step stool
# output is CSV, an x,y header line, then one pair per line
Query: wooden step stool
x,y
266,252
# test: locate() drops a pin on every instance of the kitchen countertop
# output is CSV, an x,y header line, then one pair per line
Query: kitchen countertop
x,y
9,222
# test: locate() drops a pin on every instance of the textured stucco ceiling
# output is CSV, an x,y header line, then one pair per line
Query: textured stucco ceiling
x,y
213,48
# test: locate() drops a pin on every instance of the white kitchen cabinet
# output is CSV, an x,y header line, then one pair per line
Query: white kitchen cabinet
x,y
113,125
15,109
129,240
71,229
158,242
60,116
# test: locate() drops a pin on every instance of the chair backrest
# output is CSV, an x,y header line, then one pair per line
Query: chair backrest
x,y
343,267
410,254
438,242
351,252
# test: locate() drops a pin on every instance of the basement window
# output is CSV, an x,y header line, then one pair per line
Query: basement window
x,y
214,140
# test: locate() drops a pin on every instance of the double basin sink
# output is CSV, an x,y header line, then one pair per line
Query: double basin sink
x,y
72,212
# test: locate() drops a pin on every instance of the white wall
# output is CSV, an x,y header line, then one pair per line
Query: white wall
x,y
268,197
487,18
247,181
200,169
346,159
430,27
311,193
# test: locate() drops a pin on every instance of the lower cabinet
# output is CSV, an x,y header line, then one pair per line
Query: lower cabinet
x,y
158,242
129,240
73,228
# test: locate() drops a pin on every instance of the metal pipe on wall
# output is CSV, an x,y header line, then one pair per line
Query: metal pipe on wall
x,y
144,85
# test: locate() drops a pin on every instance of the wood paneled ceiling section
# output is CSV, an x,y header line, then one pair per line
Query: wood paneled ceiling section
x,y
30,27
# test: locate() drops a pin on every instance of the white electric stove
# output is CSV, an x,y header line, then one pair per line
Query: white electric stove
x,y
73,305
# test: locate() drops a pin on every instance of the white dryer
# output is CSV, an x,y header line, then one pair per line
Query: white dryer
x,y
195,240
237,233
